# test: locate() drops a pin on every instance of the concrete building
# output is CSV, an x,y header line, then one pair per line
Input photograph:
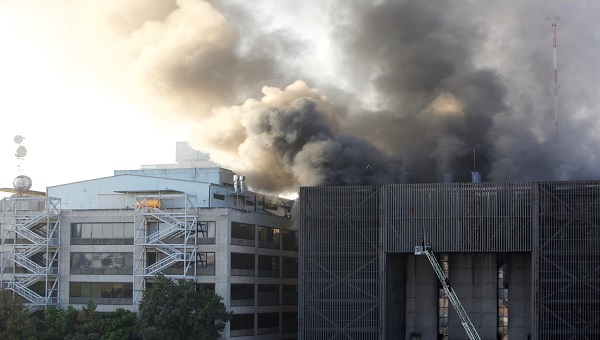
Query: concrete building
x,y
105,239
522,257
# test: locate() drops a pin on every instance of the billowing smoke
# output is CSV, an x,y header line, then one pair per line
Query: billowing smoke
x,y
407,87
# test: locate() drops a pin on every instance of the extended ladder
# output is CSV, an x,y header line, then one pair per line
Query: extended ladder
x,y
464,318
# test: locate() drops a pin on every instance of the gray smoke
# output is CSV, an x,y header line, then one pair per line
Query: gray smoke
x,y
410,87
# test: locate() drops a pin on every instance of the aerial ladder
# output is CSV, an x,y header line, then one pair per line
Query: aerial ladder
x,y
464,318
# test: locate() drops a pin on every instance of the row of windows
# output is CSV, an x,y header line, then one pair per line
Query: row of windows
x,y
269,266
204,229
243,264
107,263
205,264
102,230
123,232
102,263
243,294
243,324
101,292
267,237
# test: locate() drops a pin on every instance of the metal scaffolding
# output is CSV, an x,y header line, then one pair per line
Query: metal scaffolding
x,y
30,254
164,242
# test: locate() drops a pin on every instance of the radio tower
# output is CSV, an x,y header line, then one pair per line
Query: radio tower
x,y
555,75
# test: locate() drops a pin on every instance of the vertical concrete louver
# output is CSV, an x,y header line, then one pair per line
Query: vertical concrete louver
x,y
340,263
356,257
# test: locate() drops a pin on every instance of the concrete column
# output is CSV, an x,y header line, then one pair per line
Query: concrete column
x,y
519,295
474,278
421,298
395,292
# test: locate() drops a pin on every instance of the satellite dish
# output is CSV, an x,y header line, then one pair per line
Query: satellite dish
x,y
22,183
19,139
21,151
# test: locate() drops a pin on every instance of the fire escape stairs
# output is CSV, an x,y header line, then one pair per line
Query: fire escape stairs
x,y
21,287
176,228
29,256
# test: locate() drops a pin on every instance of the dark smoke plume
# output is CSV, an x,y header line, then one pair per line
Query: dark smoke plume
x,y
418,86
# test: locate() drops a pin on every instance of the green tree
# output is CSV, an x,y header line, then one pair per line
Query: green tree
x,y
88,322
172,310
60,324
118,325
15,320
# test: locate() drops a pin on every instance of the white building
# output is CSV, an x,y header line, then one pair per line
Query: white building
x,y
107,238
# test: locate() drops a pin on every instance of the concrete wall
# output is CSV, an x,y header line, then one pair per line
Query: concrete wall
x,y
421,298
395,293
519,296
474,278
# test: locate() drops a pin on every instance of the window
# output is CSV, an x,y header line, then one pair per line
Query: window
x,y
289,322
268,323
268,295
242,264
242,324
443,299
242,231
290,294
203,287
290,267
268,237
102,263
502,302
206,229
289,240
115,293
102,233
268,266
242,294
205,263
219,197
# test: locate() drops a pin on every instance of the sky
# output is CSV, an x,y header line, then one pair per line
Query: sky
x,y
297,93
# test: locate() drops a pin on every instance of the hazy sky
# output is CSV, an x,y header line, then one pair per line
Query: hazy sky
x,y
296,93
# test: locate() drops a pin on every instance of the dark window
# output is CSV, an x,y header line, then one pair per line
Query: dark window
x,y
242,321
268,237
268,265
289,240
268,295
242,231
290,294
219,197
101,292
289,322
290,267
269,320
202,287
241,291
242,261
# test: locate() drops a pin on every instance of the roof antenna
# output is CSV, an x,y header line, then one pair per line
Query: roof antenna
x,y
474,167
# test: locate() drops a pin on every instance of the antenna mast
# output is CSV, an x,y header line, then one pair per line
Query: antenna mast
x,y
555,75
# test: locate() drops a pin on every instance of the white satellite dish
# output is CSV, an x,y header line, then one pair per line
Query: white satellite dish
x,y
19,139
21,151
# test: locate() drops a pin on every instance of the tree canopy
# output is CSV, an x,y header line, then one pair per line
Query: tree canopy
x,y
15,320
175,310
